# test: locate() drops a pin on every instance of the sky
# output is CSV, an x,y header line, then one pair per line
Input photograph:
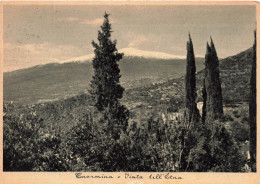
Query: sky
x,y
41,34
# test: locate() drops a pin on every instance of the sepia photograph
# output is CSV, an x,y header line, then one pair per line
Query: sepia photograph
x,y
90,88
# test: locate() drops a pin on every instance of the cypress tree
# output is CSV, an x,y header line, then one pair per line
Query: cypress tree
x,y
192,112
252,109
204,107
105,87
214,107
106,90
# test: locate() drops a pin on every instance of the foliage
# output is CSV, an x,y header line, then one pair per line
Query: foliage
x,y
151,145
105,88
240,131
27,147
92,149
192,113
204,107
252,109
224,152
214,107
158,146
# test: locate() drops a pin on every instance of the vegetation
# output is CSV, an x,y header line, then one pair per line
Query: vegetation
x,y
204,107
252,109
214,107
28,146
192,113
105,87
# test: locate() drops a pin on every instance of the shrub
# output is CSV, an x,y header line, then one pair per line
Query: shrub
x,y
27,147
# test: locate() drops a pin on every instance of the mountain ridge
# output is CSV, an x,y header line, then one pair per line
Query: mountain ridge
x,y
128,53
56,81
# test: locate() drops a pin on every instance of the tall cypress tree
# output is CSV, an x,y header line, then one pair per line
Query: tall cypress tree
x,y
192,112
204,107
214,107
105,87
252,109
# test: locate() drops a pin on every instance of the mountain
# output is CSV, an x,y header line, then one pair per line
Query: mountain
x,y
149,54
147,80
59,80
235,74
28,87
129,52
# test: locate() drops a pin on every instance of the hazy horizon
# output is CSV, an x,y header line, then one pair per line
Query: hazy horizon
x,y
35,35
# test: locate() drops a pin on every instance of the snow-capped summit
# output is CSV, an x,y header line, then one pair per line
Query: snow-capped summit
x,y
149,54
88,57
129,52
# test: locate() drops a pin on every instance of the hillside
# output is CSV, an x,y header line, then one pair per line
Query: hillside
x,y
234,74
56,81
147,97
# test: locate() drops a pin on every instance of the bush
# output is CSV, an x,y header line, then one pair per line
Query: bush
x,y
240,131
224,155
227,117
27,147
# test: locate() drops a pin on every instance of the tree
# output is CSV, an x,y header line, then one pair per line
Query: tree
x,y
105,87
192,112
204,107
214,107
224,153
252,109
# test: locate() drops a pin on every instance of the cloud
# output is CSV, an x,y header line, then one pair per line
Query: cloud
x,y
98,21
92,22
68,19
143,40
17,56
136,40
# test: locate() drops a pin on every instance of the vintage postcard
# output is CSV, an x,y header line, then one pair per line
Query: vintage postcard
x,y
129,92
